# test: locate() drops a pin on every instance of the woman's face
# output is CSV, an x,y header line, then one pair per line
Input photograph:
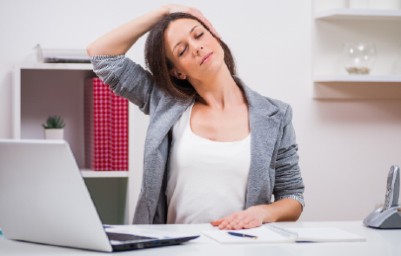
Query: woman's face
x,y
192,49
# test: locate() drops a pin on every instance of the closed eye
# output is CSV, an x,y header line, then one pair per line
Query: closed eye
x,y
183,51
199,35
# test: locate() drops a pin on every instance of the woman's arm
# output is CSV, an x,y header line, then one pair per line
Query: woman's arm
x,y
125,77
120,40
121,74
282,210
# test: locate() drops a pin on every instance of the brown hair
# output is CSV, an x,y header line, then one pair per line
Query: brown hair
x,y
160,66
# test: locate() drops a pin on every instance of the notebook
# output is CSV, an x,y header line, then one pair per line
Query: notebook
x,y
43,199
272,233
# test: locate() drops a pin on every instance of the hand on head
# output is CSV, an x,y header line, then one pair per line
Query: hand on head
x,y
172,8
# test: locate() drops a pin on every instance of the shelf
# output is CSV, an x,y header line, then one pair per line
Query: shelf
x,y
57,66
358,78
104,174
41,89
331,28
358,14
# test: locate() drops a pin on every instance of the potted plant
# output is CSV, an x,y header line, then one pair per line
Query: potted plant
x,y
54,128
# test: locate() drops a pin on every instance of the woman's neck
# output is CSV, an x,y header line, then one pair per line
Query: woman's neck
x,y
219,91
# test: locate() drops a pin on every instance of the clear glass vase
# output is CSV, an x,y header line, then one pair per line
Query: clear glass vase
x,y
359,57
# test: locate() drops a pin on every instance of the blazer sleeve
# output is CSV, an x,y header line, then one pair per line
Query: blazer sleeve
x,y
288,179
127,79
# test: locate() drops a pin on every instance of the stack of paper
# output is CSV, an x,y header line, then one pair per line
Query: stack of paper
x,y
61,55
262,234
270,233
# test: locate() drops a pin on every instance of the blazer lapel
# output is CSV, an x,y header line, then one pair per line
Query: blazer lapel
x,y
170,112
265,123
157,147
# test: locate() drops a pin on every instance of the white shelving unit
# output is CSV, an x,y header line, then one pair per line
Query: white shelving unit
x,y
57,66
358,14
358,78
43,89
103,174
332,28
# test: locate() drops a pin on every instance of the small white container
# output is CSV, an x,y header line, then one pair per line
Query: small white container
x,y
54,134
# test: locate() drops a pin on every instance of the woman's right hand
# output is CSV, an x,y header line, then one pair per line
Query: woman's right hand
x,y
172,8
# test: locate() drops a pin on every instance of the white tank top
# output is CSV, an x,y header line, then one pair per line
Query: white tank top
x,y
207,179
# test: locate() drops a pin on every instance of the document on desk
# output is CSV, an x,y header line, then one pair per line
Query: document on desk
x,y
253,235
329,234
272,233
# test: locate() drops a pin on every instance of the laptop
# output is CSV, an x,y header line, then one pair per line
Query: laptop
x,y
43,199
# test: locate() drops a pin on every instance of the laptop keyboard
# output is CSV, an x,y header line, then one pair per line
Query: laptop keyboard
x,y
126,237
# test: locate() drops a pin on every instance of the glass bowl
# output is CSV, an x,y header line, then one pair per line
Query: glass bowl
x,y
359,57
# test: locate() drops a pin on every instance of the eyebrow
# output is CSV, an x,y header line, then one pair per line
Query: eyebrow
x,y
192,29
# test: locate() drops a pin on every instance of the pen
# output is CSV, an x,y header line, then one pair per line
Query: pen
x,y
242,235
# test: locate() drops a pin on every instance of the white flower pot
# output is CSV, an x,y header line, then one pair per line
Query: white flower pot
x,y
54,134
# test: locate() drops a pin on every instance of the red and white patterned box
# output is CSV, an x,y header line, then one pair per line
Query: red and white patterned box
x,y
119,133
106,128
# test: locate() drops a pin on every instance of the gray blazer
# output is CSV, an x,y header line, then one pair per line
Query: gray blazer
x,y
274,167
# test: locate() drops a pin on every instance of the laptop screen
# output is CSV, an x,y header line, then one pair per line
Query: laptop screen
x,y
43,199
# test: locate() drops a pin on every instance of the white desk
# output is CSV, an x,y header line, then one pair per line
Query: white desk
x,y
379,242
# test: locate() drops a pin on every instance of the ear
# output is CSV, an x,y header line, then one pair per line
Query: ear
x,y
177,74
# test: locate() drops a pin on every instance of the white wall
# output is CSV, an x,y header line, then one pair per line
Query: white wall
x,y
345,147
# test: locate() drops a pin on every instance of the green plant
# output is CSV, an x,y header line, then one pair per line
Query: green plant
x,y
54,122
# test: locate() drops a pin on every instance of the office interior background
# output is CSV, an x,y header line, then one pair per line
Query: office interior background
x,y
346,145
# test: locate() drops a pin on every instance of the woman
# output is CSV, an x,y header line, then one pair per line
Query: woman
x,y
215,150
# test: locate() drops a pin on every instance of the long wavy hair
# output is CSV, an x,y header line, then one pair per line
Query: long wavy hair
x,y
159,65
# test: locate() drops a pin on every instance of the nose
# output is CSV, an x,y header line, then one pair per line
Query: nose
x,y
198,49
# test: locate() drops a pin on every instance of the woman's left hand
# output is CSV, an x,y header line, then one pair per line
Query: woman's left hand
x,y
172,8
250,218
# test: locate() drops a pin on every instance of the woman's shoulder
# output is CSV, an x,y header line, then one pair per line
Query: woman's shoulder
x,y
262,102
277,108
277,103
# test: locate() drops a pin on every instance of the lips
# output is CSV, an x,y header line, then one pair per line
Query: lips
x,y
206,57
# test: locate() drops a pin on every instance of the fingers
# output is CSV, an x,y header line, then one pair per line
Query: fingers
x,y
201,17
245,224
195,12
234,222
249,218
216,222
